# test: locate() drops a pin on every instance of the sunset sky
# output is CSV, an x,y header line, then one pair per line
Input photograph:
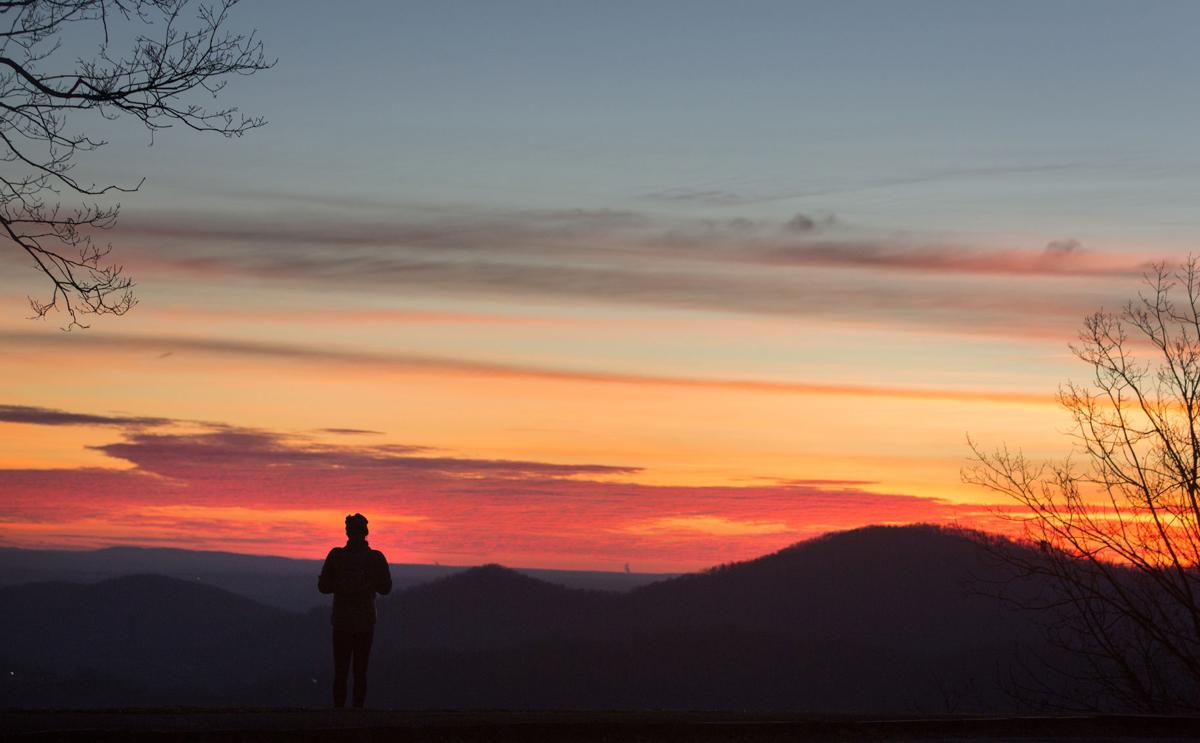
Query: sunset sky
x,y
580,284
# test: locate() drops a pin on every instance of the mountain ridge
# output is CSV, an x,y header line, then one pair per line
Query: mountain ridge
x,y
829,625
284,582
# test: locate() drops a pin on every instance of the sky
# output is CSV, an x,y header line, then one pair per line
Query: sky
x,y
567,284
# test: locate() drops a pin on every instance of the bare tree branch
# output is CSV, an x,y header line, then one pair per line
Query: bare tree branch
x,y
178,55
1120,534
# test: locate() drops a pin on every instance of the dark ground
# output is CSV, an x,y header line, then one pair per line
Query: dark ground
x,y
330,726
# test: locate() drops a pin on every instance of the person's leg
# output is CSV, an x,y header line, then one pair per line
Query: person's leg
x,y
362,655
343,647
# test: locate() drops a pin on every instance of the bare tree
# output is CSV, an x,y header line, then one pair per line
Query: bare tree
x,y
155,61
1118,523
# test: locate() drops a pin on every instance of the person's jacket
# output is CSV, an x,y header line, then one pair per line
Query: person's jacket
x,y
354,574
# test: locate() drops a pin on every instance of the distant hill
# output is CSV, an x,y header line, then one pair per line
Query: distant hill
x,y
141,631
877,620
873,584
278,581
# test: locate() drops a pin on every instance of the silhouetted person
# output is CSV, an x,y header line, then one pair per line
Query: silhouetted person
x,y
353,574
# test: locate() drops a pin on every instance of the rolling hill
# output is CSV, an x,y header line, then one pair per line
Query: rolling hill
x,y
877,620
282,582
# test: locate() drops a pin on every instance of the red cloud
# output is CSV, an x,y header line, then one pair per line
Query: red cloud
x,y
264,492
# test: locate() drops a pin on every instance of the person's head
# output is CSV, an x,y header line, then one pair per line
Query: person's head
x,y
356,526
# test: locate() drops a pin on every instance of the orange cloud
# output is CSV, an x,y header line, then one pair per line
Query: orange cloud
x,y
399,362
265,492
711,525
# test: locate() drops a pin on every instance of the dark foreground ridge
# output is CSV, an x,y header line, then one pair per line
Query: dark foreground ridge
x,y
330,726
878,621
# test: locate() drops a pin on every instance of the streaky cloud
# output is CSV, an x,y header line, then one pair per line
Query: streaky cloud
x,y
351,431
51,417
710,196
225,485
333,247
752,267
176,455
1059,258
403,362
